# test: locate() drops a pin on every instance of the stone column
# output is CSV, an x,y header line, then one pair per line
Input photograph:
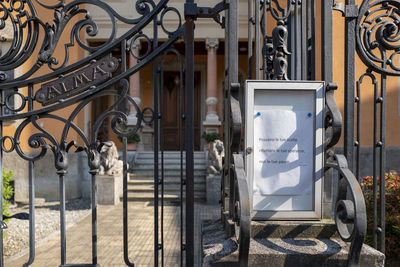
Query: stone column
x,y
212,121
134,83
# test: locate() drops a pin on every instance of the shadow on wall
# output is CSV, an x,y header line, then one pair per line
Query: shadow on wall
x,y
77,180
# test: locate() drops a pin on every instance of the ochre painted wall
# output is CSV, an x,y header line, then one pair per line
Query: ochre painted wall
x,y
393,118
75,54
367,92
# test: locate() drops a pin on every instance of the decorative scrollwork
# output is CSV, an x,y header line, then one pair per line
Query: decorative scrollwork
x,y
378,36
233,171
10,102
137,39
178,18
241,215
42,140
235,125
21,18
350,214
333,119
4,146
278,11
275,50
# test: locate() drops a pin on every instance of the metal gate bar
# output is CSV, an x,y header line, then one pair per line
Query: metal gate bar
x,y
150,12
189,134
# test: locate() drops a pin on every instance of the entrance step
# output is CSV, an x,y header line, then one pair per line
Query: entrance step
x,y
294,229
168,160
170,155
144,180
168,196
141,177
167,188
288,251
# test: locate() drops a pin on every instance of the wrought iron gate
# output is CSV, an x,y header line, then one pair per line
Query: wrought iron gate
x,y
282,45
51,84
284,50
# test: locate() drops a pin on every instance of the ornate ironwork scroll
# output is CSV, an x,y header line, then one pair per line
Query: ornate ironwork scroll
x,y
275,49
372,30
286,46
377,37
241,215
65,81
350,214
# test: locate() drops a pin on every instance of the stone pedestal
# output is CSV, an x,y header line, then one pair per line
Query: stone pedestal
x,y
213,185
109,189
147,138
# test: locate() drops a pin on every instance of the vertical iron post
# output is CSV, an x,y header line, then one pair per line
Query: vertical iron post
x,y
250,39
349,88
375,232
226,133
327,46
161,180
233,58
94,217
156,142
297,42
305,38
189,129
125,173
31,194
382,162
257,39
63,241
327,61
31,214
311,20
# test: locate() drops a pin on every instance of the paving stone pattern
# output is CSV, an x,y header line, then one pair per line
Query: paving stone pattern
x,y
110,237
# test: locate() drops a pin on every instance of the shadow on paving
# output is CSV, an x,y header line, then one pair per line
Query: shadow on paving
x,y
110,237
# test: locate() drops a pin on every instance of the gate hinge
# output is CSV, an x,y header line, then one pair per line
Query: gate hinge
x,y
191,10
348,11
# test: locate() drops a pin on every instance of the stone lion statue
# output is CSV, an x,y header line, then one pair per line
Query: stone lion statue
x,y
215,155
109,160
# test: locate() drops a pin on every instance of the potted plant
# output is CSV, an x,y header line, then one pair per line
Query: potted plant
x,y
132,140
210,137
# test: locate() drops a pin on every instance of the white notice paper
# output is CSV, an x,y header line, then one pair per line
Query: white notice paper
x,y
283,147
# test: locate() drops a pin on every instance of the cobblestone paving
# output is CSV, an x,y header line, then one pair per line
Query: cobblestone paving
x,y
110,237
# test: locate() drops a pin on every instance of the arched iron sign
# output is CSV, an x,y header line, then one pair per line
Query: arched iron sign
x,y
68,82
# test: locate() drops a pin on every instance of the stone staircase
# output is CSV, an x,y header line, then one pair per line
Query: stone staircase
x,y
141,178
283,243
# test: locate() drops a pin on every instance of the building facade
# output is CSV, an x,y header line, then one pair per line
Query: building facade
x,y
210,56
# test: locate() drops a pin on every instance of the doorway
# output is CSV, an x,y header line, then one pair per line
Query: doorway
x,y
171,115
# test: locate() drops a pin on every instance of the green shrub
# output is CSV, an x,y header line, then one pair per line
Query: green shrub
x,y
210,137
392,212
7,190
134,138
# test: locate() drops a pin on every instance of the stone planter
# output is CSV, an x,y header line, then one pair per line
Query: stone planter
x,y
131,146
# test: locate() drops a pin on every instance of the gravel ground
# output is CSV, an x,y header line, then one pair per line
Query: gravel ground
x,y
47,221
